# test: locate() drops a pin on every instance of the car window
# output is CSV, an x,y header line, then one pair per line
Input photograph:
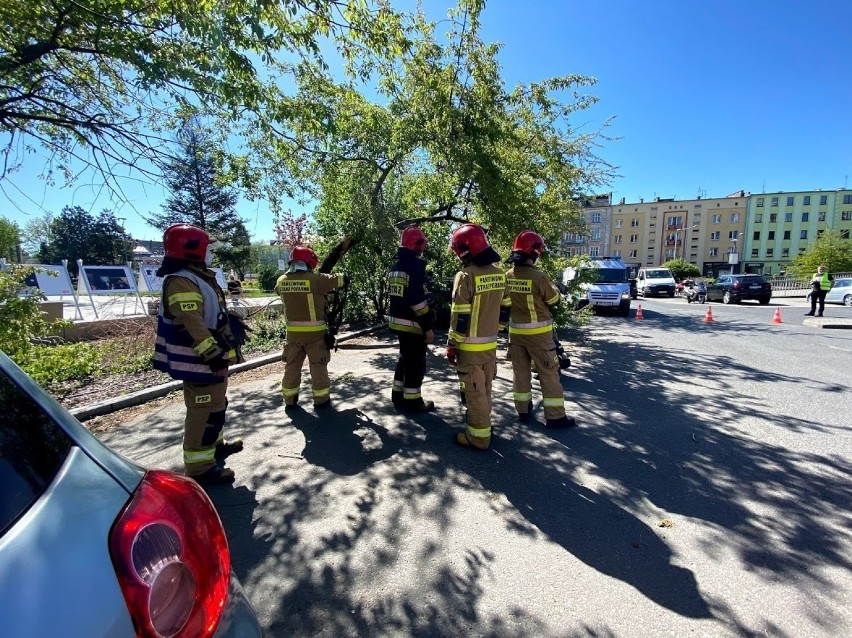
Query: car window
x,y
32,449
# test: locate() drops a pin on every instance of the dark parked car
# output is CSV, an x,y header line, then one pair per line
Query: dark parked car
x,y
736,288
92,545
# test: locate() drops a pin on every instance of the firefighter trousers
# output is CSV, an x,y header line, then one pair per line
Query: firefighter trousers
x,y
203,428
540,349
410,370
476,372
297,348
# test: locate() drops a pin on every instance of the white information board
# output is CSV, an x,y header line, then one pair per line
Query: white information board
x,y
107,280
150,282
52,285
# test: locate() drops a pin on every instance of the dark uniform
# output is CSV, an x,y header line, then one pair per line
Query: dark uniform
x,y
410,318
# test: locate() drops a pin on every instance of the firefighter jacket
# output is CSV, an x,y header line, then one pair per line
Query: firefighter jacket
x,y
480,308
303,295
409,308
192,328
531,292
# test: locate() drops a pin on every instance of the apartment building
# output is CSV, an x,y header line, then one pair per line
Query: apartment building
x,y
594,242
781,225
705,232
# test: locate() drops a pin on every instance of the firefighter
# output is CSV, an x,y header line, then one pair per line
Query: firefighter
x,y
195,344
480,308
531,335
411,319
303,294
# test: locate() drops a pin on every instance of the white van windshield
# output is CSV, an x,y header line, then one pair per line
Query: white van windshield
x,y
659,273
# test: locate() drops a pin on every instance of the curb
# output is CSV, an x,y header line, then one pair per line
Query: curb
x,y
86,412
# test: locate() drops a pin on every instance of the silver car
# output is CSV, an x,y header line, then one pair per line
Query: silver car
x,y
93,545
841,292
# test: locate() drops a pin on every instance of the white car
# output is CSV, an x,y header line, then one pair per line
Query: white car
x,y
841,292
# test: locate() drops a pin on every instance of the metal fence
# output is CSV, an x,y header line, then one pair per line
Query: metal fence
x,y
795,286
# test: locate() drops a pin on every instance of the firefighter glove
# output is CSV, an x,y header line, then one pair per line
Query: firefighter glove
x,y
451,355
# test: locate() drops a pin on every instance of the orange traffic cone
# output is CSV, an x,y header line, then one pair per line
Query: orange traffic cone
x,y
777,317
639,313
708,318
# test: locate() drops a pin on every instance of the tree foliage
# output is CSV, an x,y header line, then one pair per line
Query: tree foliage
x,y
95,83
10,238
199,196
831,249
21,318
76,234
36,231
682,269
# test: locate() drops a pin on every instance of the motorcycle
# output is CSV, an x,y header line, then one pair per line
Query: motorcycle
x,y
696,292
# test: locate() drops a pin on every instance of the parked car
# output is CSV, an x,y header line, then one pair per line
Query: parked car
x,y
841,292
651,282
736,288
93,545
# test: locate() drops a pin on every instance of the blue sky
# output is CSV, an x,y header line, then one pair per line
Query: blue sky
x,y
709,96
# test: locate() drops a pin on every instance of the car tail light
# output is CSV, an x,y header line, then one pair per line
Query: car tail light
x,y
736,284
171,557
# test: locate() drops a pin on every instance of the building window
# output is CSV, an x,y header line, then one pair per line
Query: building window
x,y
633,254
619,223
616,239
774,201
616,254
805,217
634,222
734,234
844,234
846,215
596,218
715,235
717,219
789,201
735,218
847,199
653,209
803,250
788,217
806,200
803,234
821,216
596,234
770,235
786,234
758,218
769,252
634,239
756,235
714,252
675,222
697,206
760,202
754,253
593,251
823,200
773,218
785,252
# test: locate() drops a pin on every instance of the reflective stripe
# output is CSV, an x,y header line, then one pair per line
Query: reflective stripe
x,y
323,392
479,433
522,397
397,386
403,322
289,392
481,339
199,456
411,395
461,308
553,403
532,328
408,329
477,347
456,336
398,274
531,310
205,345
554,299
180,297
417,308
311,326
531,324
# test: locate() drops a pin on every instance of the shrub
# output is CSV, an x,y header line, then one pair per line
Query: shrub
x,y
21,318
266,278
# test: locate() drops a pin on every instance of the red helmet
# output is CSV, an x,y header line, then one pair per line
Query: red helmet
x,y
530,243
185,241
414,239
468,241
305,254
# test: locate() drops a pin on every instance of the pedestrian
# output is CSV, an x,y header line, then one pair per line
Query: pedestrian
x,y
821,284
411,319
235,289
195,344
531,332
480,308
303,292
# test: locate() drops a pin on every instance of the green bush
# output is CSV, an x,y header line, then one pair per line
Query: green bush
x,y
268,333
266,278
21,318
65,362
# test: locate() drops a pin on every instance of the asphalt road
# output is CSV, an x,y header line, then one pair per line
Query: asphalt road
x,y
706,492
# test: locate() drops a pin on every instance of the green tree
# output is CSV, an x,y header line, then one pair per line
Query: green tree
x,y
832,249
95,84
36,231
10,239
198,196
21,318
682,269
76,234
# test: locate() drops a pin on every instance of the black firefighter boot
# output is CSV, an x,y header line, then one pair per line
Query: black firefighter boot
x,y
561,422
414,406
224,450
